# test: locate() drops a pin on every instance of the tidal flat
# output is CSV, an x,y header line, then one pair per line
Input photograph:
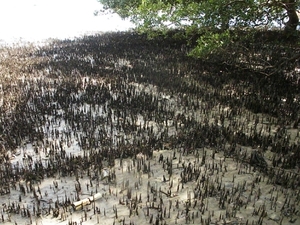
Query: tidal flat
x,y
119,129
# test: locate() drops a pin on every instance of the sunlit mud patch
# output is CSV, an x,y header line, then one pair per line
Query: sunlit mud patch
x,y
122,64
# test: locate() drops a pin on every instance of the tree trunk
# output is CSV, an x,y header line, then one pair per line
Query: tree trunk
x,y
291,25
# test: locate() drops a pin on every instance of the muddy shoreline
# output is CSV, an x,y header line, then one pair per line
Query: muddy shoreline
x,y
156,136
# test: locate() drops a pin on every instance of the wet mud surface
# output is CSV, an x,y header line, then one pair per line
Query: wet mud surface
x,y
118,129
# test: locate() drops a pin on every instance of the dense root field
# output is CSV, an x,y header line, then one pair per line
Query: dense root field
x,y
118,129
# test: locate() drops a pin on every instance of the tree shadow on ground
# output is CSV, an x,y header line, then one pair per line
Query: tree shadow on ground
x,y
164,63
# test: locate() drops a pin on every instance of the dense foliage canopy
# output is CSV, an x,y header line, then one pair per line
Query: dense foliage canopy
x,y
241,34
213,19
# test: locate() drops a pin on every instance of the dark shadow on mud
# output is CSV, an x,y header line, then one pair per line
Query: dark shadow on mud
x,y
164,62
217,105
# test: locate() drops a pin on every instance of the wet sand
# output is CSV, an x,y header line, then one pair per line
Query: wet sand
x,y
129,146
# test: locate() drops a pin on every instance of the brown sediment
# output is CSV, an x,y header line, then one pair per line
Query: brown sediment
x,y
139,138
